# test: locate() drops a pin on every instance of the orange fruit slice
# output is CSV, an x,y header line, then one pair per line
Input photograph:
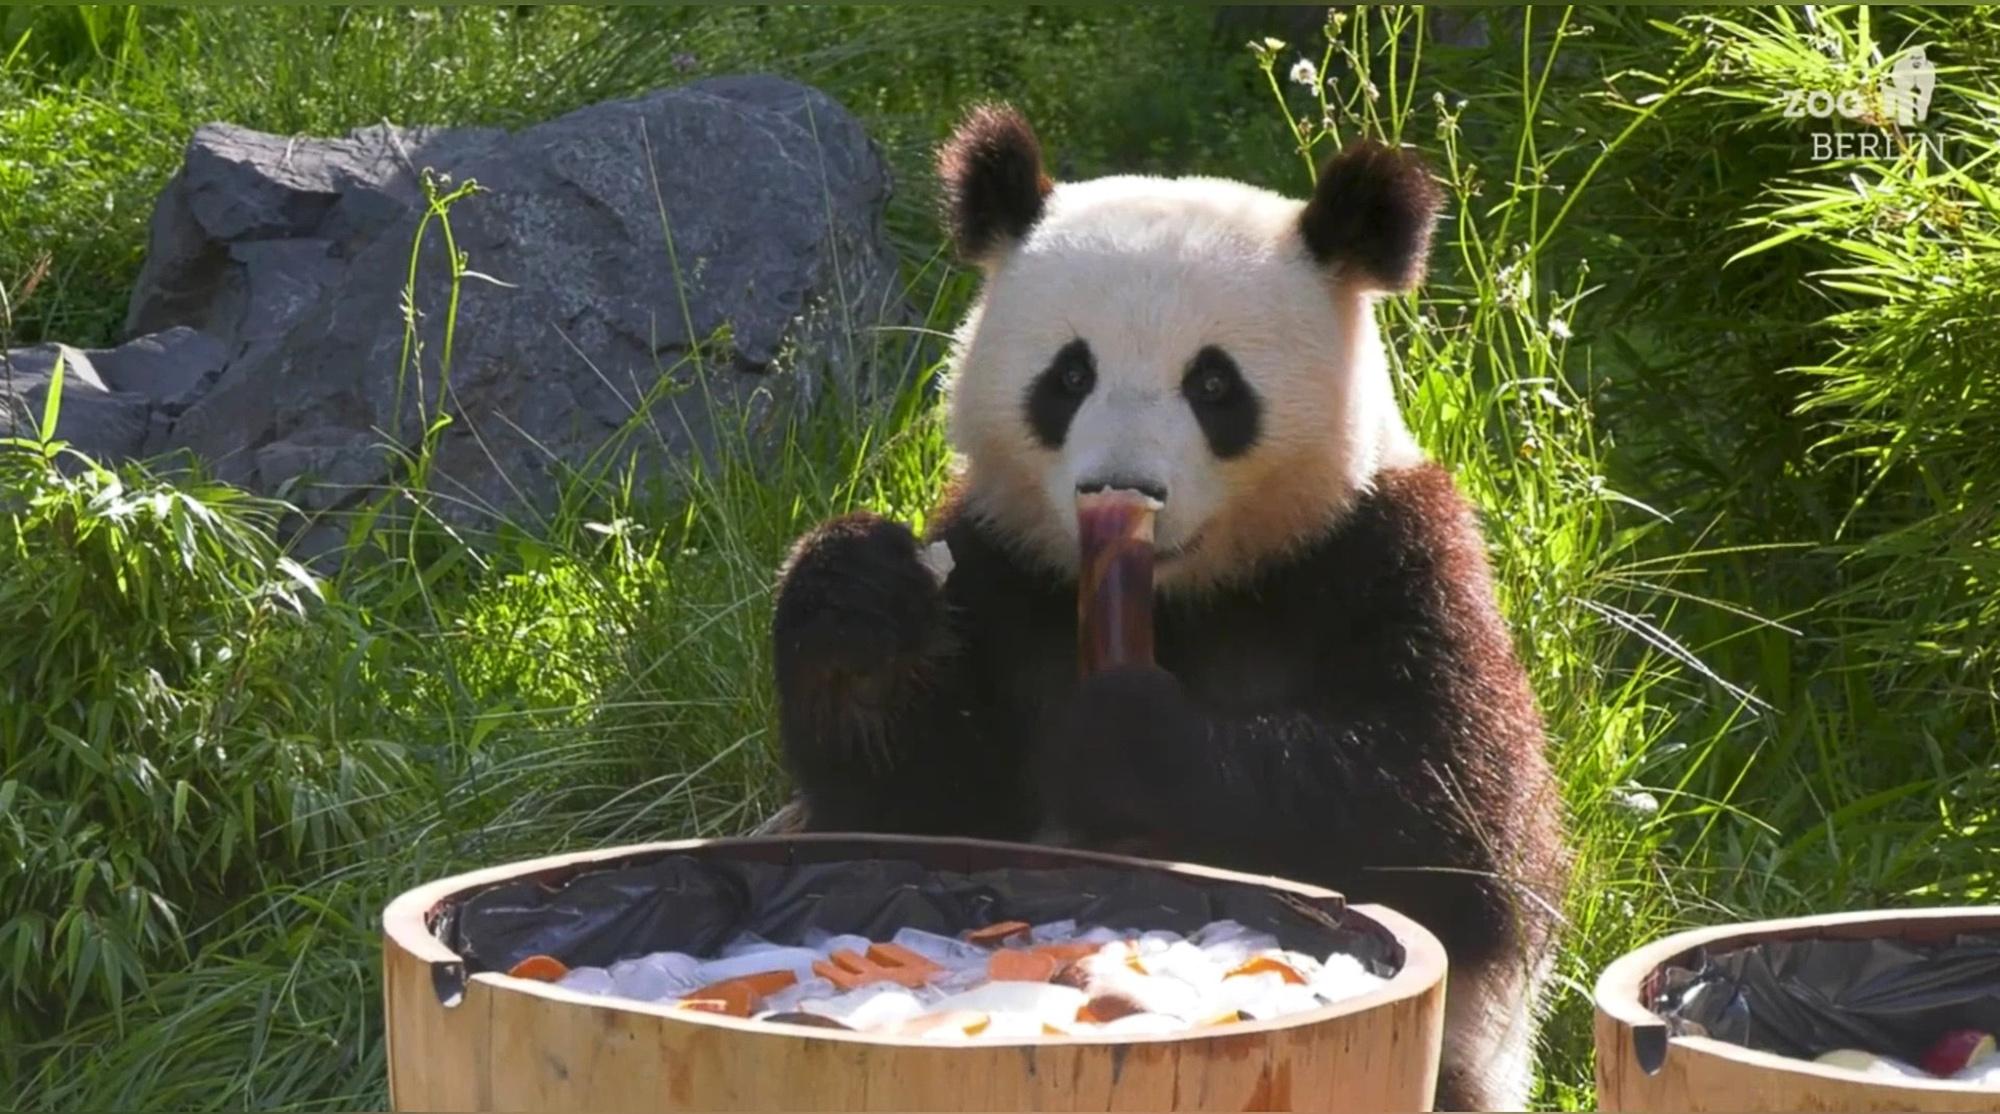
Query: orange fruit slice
x,y
546,968
1264,964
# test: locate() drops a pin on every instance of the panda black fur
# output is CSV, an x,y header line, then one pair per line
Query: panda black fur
x,y
1337,698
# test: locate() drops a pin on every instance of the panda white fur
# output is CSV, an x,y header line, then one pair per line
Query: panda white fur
x,y
1336,699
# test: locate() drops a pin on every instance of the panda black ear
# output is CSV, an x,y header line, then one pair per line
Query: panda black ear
x,y
1373,210
994,184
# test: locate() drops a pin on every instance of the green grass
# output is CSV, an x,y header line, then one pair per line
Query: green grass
x,y
1740,503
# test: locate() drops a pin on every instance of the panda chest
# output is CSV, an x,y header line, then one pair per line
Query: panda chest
x,y
1243,659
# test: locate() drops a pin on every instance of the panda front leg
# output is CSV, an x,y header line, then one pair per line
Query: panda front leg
x,y
1492,1018
1134,763
868,682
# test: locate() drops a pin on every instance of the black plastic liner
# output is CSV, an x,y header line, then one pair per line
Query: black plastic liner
x,y
1806,997
697,905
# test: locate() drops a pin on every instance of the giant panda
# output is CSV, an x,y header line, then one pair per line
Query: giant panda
x,y
1336,697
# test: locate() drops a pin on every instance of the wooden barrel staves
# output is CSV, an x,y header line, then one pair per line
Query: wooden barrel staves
x,y
486,1041
1641,1067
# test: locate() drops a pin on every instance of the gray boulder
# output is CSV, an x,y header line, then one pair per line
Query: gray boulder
x,y
117,403
610,247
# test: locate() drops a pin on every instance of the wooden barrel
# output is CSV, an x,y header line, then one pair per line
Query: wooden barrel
x,y
1641,1068
490,1042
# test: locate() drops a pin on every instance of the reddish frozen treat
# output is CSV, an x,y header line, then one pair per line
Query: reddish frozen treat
x,y
546,968
1114,601
1106,1007
1018,966
1957,1050
993,934
733,997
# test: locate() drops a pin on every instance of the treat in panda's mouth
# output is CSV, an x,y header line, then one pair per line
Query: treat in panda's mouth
x,y
1114,602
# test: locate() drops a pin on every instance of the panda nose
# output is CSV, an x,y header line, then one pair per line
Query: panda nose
x,y
1151,490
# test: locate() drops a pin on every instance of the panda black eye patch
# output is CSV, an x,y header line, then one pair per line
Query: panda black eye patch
x,y
1058,392
1222,401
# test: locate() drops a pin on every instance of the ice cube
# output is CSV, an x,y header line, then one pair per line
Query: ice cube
x,y
1229,943
1054,932
960,978
1043,1001
944,1025
1143,1024
1188,963
1156,942
654,977
881,1003
1291,998
1153,993
1252,995
846,942
1099,935
1342,977
1980,1073
587,980
1011,1026
798,961
944,950
792,997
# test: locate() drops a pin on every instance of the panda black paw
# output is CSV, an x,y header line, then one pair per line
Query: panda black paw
x,y
857,609
1124,760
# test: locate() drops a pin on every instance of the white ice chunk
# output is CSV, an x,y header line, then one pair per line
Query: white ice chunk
x,y
1183,961
944,950
798,961
1099,935
1291,998
1252,995
1231,944
1054,932
960,978
846,942
1157,942
587,980
1044,1001
1141,1024
1153,993
875,1006
1980,1073
790,998
1011,1026
653,977
1342,977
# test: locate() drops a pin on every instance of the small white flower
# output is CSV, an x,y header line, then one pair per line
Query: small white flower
x,y
1558,328
1636,801
1305,73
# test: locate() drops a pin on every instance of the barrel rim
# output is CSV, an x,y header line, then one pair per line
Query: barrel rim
x,y
405,925
1620,989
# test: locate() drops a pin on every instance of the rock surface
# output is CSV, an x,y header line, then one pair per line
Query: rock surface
x,y
118,403
608,248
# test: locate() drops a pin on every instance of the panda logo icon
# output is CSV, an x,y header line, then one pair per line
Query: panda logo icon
x,y
1910,83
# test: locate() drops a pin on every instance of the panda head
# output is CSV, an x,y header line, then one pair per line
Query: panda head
x,y
1204,341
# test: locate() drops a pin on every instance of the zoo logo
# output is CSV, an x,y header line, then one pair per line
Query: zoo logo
x,y
1906,98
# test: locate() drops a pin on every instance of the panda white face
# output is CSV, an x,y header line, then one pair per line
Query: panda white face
x,y
1182,338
